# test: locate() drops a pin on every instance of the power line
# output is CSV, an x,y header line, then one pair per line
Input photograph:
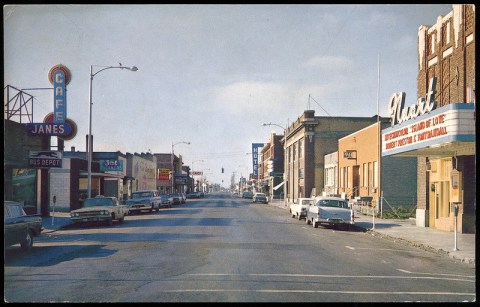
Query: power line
x,y
320,105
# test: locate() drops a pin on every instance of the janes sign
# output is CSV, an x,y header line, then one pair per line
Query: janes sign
x,y
59,76
423,125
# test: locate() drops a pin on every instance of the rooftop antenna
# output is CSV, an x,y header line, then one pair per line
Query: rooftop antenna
x,y
308,102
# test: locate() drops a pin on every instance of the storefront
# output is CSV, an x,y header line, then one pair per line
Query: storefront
x,y
443,139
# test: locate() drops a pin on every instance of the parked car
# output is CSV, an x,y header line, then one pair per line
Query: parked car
x,y
175,199
193,195
260,198
18,226
299,208
144,200
247,194
330,211
100,209
165,201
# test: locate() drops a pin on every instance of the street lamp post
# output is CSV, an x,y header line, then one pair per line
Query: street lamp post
x,y
173,170
90,141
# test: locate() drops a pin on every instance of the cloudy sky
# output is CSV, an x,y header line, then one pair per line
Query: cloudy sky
x,y
211,75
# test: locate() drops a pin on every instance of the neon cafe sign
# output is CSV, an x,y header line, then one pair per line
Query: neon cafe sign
x,y
56,123
422,125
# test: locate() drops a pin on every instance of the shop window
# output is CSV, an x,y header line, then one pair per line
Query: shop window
x,y
300,148
347,175
24,186
365,175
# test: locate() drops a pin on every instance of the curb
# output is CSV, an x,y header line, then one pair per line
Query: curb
x,y
420,245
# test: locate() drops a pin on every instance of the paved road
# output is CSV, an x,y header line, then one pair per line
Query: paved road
x,y
226,249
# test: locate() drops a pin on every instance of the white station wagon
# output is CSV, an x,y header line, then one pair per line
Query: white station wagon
x,y
299,208
330,211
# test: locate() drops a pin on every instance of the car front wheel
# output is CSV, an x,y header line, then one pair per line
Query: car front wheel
x,y
307,221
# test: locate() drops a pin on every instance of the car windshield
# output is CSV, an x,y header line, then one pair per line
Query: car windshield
x,y
141,195
332,203
95,202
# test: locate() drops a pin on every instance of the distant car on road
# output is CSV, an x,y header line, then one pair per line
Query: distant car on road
x,y
193,195
18,227
247,194
260,198
165,201
144,200
175,199
332,211
299,208
100,209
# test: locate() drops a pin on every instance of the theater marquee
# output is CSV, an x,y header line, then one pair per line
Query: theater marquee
x,y
449,124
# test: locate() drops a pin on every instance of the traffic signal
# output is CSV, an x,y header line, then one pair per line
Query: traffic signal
x,y
222,170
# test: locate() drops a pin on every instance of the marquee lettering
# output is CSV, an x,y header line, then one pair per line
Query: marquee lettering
x,y
399,113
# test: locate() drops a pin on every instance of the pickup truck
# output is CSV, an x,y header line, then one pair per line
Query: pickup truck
x,y
18,226
299,208
145,200
100,209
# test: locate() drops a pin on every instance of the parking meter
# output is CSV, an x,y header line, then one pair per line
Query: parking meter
x,y
455,210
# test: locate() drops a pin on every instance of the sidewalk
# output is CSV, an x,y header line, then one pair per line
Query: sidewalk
x,y
423,237
55,221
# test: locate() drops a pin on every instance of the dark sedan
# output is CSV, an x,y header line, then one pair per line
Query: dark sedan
x,y
18,226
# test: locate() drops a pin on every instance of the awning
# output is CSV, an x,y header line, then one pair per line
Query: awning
x,y
279,185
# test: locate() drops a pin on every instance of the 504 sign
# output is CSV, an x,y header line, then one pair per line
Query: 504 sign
x,y
111,165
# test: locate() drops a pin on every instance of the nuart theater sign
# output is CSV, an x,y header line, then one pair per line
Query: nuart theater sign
x,y
423,125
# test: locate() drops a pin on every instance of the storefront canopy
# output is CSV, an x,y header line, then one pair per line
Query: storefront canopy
x,y
279,185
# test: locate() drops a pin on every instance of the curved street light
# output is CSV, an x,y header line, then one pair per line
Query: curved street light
x,y
90,141
272,124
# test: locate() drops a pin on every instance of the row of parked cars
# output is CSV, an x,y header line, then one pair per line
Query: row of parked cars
x,y
109,209
324,210
21,228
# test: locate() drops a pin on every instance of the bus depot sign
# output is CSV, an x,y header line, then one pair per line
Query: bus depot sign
x,y
423,125
59,125
45,159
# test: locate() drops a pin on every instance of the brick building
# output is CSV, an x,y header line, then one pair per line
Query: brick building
x,y
440,128
359,176
270,167
307,140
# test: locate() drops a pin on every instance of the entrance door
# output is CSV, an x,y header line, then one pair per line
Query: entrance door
x,y
440,206
356,180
